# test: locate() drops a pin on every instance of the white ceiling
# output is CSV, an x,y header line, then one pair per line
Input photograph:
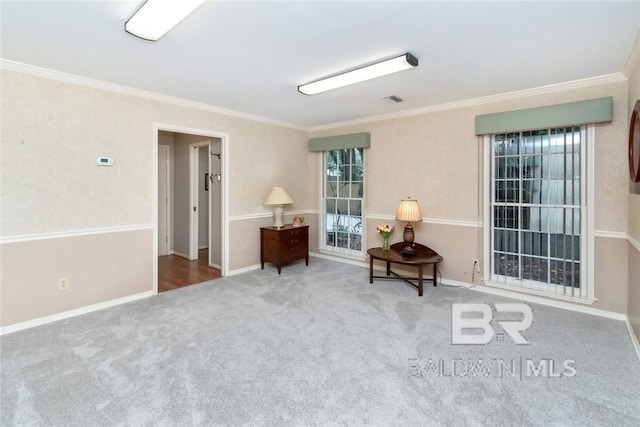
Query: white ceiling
x,y
251,56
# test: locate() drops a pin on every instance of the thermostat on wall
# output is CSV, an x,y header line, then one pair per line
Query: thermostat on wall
x,y
105,161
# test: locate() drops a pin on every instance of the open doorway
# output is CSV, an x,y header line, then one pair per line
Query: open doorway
x,y
190,209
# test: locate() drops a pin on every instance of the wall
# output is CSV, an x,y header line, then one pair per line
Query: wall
x,y
634,212
70,218
436,158
58,207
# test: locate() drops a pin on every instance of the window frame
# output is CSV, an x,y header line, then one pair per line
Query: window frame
x,y
587,184
322,229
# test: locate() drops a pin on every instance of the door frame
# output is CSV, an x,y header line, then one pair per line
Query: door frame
x,y
167,184
224,196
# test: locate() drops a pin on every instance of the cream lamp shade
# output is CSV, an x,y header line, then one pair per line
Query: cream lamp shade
x,y
409,210
277,198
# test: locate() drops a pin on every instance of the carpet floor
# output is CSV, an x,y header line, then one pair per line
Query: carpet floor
x,y
315,346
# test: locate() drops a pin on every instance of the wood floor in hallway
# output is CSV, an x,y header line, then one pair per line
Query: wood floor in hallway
x,y
175,272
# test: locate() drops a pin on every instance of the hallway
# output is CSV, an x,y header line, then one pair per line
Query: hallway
x,y
176,272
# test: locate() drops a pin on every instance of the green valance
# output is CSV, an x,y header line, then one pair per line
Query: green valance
x,y
340,142
570,114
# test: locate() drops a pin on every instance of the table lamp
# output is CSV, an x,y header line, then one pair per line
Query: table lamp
x,y
408,210
276,198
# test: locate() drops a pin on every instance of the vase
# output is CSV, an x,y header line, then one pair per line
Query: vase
x,y
385,243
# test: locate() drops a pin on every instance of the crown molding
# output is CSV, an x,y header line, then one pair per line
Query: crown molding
x,y
634,57
474,102
9,65
33,70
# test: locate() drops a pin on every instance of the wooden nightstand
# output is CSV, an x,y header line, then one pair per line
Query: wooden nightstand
x,y
285,245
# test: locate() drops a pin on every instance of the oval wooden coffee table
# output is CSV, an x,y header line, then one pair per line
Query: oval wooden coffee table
x,y
424,256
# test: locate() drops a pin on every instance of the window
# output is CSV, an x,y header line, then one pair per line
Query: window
x,y
343,200
537,213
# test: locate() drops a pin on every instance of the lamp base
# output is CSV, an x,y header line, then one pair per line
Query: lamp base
x,y
278,211
408,237
408,250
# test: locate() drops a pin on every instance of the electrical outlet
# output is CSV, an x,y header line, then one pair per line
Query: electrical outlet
x,y
63,283
476,265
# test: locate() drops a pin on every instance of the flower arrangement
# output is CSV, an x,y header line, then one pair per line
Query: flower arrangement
x,y
385,231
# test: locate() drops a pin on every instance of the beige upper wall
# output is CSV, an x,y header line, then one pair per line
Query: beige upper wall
x,y
435,157
432,157
634,199
52,132
633,295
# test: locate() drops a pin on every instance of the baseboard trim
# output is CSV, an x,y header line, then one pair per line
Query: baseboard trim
x,y
242,270
181,255
549,302
502,292
72,313
633,242
634,339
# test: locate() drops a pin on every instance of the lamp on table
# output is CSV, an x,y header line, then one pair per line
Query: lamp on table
x,y
409,211
277,198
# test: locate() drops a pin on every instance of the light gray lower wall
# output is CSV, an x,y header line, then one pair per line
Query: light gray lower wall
x,y
610,270
459,245
101,267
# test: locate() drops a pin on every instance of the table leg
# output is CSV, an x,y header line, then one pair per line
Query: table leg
x,y
420,280
370,269
388,268
435,274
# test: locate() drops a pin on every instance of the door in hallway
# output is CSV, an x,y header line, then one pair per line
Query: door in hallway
x,y
163,200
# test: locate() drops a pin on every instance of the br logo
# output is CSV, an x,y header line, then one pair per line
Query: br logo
x,y
472,323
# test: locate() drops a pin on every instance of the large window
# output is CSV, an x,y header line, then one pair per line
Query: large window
x,y
343,200
537,210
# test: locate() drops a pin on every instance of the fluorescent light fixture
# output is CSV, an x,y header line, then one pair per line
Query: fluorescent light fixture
x,y
156,17
393,65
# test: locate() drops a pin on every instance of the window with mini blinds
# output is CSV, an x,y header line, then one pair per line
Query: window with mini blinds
x,y
537,216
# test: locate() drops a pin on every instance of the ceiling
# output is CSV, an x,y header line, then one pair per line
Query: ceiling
x,y
251,56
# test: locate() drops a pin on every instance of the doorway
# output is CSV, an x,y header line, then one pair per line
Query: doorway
x,y
191,211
